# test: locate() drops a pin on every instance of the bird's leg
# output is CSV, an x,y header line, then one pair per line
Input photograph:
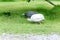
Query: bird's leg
x,y
42,22
37,22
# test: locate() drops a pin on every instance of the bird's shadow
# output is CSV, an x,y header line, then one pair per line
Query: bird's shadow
x,y
42,22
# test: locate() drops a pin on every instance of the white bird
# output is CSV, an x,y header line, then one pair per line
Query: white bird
x,y
36,18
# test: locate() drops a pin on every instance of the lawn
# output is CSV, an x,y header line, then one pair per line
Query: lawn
x,y
16,23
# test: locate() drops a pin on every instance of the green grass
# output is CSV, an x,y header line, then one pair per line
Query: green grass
x,y
23,0
18,24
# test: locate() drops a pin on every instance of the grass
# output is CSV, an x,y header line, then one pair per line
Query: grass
x,y
18,24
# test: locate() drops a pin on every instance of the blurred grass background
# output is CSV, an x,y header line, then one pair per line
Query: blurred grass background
x,y
23,0
16,23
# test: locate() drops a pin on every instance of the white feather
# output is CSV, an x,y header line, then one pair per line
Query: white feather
x,y
36,18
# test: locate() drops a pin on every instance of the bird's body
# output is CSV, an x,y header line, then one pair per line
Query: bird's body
x,y
36,18
33,16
